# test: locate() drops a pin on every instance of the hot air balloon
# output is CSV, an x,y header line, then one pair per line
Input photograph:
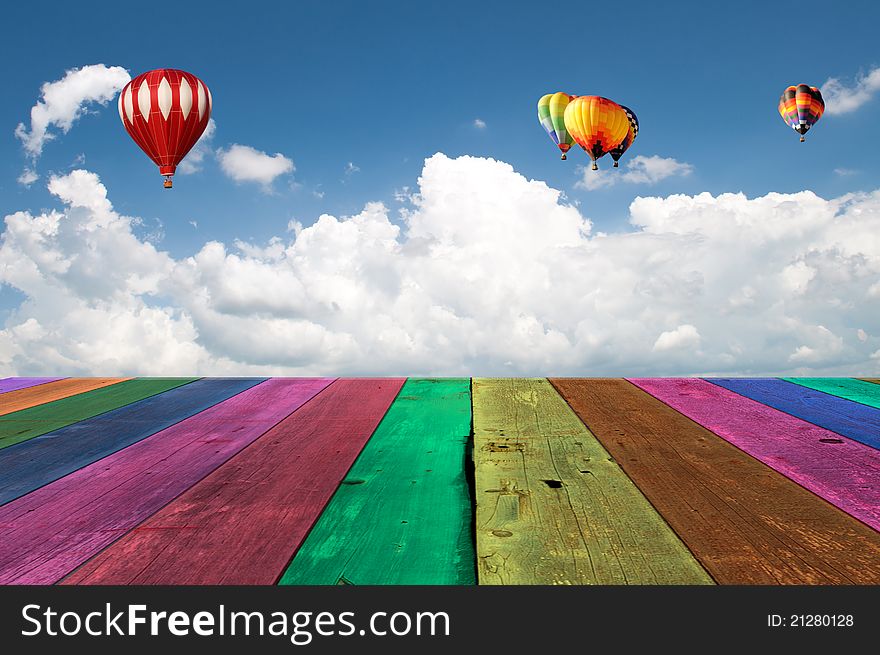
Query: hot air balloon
x,y
597,124
801,106
631,134
551,111
165,111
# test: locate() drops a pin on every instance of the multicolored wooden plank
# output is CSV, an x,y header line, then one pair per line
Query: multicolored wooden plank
x,y
49,532
403,513
20,399
27,466
242,523
844,472
746,523
856,390
552,507
839,415
14,384
34,421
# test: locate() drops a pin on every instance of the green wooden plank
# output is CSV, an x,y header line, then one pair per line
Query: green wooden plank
x,y
553,507
858,391
42,419
402,515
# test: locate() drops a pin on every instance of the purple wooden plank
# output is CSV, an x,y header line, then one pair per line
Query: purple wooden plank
x,y
49,532
14,384
844,472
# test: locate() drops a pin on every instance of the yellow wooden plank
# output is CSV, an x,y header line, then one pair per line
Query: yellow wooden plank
x,y
552,507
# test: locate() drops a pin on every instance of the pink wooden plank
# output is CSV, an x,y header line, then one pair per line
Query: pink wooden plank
x,y
844,472
244,521
49,532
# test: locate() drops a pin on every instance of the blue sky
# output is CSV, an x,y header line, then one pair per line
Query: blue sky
x,y
385,85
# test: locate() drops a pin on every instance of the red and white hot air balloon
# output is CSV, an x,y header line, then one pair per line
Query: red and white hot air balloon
x,y
165,111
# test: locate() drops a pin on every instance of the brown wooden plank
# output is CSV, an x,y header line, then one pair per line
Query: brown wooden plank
x,y
746,523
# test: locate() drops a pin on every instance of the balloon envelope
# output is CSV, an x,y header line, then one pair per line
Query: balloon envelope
x,y
551,112
165,111
631,134
801,106
597,124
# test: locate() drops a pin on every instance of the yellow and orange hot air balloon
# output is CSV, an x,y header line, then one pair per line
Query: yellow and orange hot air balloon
x,y
801,106
597,124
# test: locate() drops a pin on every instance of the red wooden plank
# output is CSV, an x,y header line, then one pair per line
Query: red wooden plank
x,y
49,532
243,522
844,472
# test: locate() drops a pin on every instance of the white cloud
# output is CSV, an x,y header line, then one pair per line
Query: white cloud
x,y
63,101
684,337
845,172
480,124
246,164
841,98
195,159
489,273
638,170
28,176
351,168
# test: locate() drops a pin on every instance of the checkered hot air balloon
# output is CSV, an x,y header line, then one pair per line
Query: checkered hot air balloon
x,y
631,134
165,111
551,112
597,124
801,106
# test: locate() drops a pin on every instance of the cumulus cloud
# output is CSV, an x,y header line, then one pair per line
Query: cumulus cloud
x,y
487,273
479,123
195,160
63,101
246,164
638,170
841,98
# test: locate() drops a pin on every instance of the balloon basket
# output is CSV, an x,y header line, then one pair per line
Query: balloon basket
x,y
167,183
615,165
563,158
803,138
595,166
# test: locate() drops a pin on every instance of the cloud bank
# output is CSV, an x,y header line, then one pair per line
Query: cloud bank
x,y
485,272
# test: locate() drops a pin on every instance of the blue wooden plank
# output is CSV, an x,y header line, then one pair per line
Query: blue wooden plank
x,y
845,417
31,464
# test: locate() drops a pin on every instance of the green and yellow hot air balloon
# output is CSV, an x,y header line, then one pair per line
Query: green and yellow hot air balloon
x,y
551,114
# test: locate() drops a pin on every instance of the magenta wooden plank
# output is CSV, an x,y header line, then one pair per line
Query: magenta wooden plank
x,y
49,532
844,472
243,522
14,384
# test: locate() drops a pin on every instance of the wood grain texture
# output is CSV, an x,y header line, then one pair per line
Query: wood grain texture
x,y
552,507
844,472
402,515
14,384
20,399
242,523
839,415
27,466
32,422
49,532
858,391
745,522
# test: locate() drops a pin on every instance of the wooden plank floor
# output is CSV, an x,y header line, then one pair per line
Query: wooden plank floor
x,y
403,513
439,481
745,522
552,507
845,417
34,421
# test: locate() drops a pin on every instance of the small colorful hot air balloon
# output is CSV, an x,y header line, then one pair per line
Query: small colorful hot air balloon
x,y
551,112
165,111
631,135
597,124
801,106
